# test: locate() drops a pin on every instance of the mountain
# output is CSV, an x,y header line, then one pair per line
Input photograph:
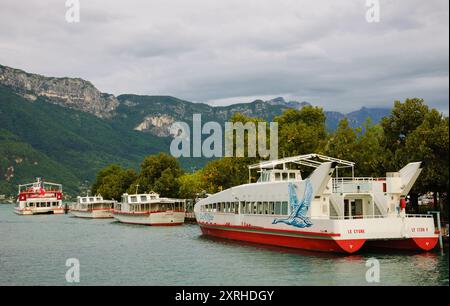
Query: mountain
x,y
290,104
65,129
69,92
64,145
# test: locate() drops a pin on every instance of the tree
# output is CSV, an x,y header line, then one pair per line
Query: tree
x,y
191,184
225,173
112,181
362,148
404,119
413,132
301,131
429,143
157,171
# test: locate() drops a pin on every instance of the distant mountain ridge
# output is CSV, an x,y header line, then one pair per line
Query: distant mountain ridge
x,y
66,129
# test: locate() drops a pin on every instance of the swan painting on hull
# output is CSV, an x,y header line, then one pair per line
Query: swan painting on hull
x,y
298,217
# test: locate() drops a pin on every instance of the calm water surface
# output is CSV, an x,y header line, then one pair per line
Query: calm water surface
x,y
34,250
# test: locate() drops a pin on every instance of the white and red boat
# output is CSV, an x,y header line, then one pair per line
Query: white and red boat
x,y
94,207
319,213
149,209
39,198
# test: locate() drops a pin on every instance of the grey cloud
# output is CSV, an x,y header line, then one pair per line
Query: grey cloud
x,y
322,51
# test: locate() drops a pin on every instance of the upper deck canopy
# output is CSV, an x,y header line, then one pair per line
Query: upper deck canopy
x,y
309,160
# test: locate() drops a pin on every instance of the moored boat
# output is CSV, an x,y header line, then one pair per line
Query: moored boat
x,y
39,198
319,212
92,207
149,209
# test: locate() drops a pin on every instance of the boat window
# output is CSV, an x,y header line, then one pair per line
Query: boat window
x,y
143,198
259,208
285,176
292,176
91,199
265,208
133,199
284,208
84,200
277,176
271,208
228,209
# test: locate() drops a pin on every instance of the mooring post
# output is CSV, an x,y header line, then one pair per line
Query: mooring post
x,y
438,216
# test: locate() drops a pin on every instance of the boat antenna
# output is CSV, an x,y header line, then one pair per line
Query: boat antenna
x,y
137,188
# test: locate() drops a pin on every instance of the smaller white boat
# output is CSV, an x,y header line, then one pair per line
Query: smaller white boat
x,y
149,209
92,207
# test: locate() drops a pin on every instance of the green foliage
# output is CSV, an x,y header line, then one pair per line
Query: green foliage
x,y
362,148
113,181
69,146
225,173
301,132
191,184
429,143
159,173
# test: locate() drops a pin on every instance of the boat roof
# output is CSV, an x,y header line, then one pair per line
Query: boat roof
x,y
310,160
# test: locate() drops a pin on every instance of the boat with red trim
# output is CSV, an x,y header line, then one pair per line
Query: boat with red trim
x,y
319,213
149,209
94,207
39,197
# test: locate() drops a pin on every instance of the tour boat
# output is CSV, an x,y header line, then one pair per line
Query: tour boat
x,y
92,207
149,209
319,212
39,198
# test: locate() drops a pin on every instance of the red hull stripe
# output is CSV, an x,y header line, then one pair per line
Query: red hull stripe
x,y
305,243
94,209
145,212
270,230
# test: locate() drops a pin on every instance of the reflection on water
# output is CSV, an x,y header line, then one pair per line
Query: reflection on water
x,y
33,251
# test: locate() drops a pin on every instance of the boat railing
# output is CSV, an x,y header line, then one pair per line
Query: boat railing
x,y
418,216
352,184
372,217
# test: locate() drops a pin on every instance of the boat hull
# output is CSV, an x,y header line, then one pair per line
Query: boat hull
x,y
322,243
326,235
39,211
93,214
154,219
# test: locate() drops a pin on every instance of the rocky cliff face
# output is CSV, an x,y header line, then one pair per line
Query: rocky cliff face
x,y
69,92
156,125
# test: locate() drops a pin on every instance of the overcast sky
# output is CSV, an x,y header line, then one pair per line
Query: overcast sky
x,y
229,51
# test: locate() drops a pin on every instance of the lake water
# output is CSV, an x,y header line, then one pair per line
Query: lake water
x,y
34,250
